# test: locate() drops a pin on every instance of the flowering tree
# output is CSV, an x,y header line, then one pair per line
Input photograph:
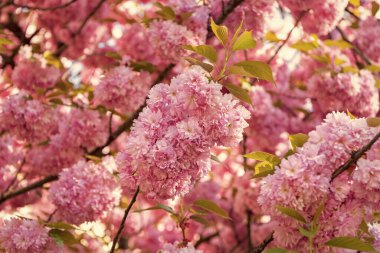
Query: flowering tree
x,y
189,126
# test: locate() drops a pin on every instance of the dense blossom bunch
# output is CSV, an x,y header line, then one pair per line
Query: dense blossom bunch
x,y
326,14
27,119
24,236
346,91
122,89
167,38
83,128
374,229
85,191
302,182
11,154
169,146
33,76
366,38
170,248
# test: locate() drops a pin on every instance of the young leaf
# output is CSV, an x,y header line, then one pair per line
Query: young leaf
x,y
199,219
317,215
239,92
220,31
142,65
272,37
338,43
374,8
291,213
165,11
215,158
204,50
297,140
205,66
350,243
276,250
5,41
263,169
257,69
244,41
306,233
114,55
373,68
263,156
355,3
63,237
237,32
60,225
212,207
304,46
158,207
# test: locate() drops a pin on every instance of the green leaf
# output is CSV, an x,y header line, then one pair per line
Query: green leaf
x,y
93,158
364,227
374,8
205,66
263,169
373,121
5,41
304,46
337,43
60,225
272,37
215,158
244,41
304,232
165,11
257,69
239,92
142,65
276,250
263,157
291,213
297,140
220,31
114,55
350,69
199,219
317,215
373,68
63,237
350,243
159,207
237,32
204,50
355,3
350,114
212,207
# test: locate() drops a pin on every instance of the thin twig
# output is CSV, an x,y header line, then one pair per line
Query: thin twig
x,y
354,157
205,239
288,36
249,216
53,8
260,248
354,48
28,188
116,239
15,177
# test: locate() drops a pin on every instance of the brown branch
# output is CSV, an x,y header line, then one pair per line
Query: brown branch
x,y
355,157
28,188
356,50
116,239
260,248
230,7
15,176
53,8
249,217
205,239
288,36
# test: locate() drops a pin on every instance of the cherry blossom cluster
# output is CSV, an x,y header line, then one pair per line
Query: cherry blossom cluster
x,y
169,145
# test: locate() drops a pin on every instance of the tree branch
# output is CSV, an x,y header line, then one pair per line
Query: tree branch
x,y
356,50
44,8
116,239
303,13
28,188
205,239
249,216
260,248
354,157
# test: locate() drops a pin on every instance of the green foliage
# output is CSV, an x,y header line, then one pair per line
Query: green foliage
x,y
272,37
264,157
114,55
373,68
159,207
294,214
374,8
200,219
212,207
338,43
165,12
263,169
204,50
238,92
256,69
63,237
60,225
297,140
373,121
244,41
304,46
205,66
142,66
221,32
352,243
